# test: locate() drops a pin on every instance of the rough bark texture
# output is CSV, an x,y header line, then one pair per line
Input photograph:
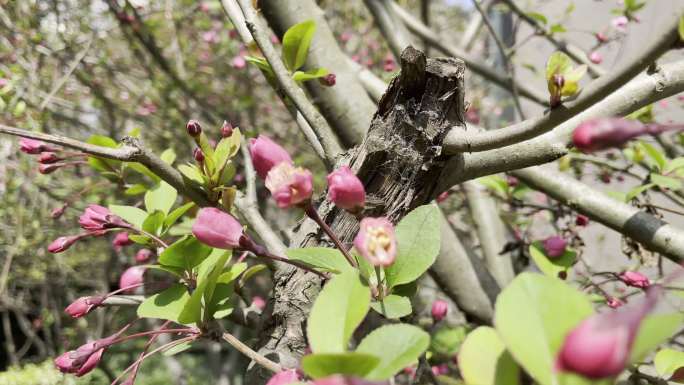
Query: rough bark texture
x,y
398,161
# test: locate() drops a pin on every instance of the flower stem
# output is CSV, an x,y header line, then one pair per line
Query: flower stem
x,y
313,214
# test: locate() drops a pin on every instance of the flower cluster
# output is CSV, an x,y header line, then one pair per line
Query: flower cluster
x,y
50,158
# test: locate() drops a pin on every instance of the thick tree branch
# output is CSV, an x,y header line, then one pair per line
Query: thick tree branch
x,y
648,230
473,63
461,141
668,80
320,126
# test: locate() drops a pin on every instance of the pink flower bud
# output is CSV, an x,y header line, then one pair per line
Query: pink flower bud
x,y
601,37
581,220
554,246
439,310
258,302
284,378
46,169
619,23
595,57
289,185
217,229
239,62
603,133
32,146
328,80
96,218
82,360
442,197
226,129
345,189
193,128
266,154
121,240
614,302
198,155
48,157
143,255
600,346
440,370
376,241
58,211
132,278
83,306
635,279
62,243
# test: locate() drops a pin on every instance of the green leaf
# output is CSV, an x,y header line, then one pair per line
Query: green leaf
x,y
681,27
636,191
296,43
325,364
232,273
207,275
551,266
673,165
558,63
669,182
393,306
165,305
667,361
495,183
160,197
168,156
104,141
136,189
483,359
397,346
249,273
178,349
130,214
572,79
324,258
185,253
447,340
153,222
418,241
143,170
654,330
655,154
317,73
141,239
557,28
533,315
191,172
538,16
227,148
338,310
177,213
102,164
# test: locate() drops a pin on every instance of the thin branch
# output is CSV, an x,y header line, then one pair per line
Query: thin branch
x,y
473,63
250,174
67,75
393,30
324,134
459,141
576,53
251,354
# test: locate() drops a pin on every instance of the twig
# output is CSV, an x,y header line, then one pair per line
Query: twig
x,y
313,214
324,134
459,141
254,356
67,75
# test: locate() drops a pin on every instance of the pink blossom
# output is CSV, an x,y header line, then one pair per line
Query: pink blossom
x,y
289,185
143,255
376,241
258,302
96,218
266,154
83,306
635,279
439,310
600,346
210,37
33,147
554,246
284,378
346,36
62,243
217,229
238,62
595,57
82,360
601,37
345,189
603,133
619,23
132,278
120,240
614,302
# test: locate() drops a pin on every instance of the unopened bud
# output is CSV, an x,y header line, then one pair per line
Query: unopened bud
x,y
49,168
226,129
439,310
328,80
559,80
48,158
193,128
198,155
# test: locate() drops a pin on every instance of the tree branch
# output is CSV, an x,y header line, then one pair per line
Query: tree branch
x,y
393,30
473,63
459,141
320,126
251,354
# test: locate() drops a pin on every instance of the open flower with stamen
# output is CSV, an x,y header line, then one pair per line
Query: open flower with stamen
x,y
376,241
289,185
